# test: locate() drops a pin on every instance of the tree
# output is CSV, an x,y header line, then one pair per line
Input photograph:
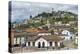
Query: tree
x,y
65,20
52,20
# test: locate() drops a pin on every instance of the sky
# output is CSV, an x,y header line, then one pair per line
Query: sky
x,y
23,10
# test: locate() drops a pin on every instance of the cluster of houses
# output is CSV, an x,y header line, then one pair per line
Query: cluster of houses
x,y
40,38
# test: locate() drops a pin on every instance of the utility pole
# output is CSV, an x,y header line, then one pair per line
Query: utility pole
x,y
9,44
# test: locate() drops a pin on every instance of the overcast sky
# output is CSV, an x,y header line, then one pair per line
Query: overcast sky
x,y
22,10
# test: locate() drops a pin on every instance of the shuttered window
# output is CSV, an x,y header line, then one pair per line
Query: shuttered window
x,y
28,43
33,43
50,43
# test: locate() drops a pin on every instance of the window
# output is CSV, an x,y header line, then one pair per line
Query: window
x,y
22,40
28,43
15,41
50,43
39,45
67,33
18,40
33,43
43,44
56,44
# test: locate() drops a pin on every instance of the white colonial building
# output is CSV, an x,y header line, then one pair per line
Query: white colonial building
x,y
44,41
67,34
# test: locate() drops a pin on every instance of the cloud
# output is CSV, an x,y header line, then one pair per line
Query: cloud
x,y
22,10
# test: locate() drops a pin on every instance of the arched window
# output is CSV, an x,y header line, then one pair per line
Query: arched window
x,y
56,44
15,41
39,45
67,33
50,43
28,43
33,43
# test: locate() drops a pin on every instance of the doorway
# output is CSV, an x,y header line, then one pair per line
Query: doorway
x,y
39,45
43,44
56,44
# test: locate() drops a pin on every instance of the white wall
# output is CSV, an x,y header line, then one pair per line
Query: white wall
x,y
44,34
22,40
18,40
31,43
76,40
14,40
26,43
59,44
53,44
66,32
67,38
41,40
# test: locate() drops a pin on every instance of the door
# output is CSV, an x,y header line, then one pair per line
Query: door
x,y
43,44
39,45
61,44
56,44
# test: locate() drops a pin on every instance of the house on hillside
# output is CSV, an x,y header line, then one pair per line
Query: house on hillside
x,y
58,23
67,34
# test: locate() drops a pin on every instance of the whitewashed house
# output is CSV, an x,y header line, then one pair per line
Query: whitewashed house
x,y
19,40
42,34
67,34
44,41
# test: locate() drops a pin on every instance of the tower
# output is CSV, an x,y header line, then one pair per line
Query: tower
x,y
30,16
52,10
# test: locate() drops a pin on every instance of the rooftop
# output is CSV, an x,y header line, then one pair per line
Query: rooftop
x,y
48,38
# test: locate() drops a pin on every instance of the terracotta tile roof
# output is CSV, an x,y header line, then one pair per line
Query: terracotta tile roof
x,y
35,30
48,38
43,31
31,30
25,34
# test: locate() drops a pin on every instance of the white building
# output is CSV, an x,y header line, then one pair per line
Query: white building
x,y
67,34
19,40
44,41
41,40
42,34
